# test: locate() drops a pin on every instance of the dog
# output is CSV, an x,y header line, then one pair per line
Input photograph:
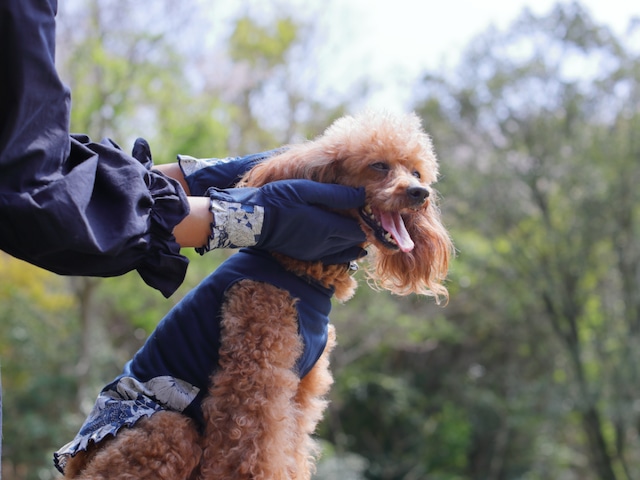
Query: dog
x,y
268,384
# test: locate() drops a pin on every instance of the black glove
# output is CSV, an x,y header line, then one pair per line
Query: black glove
x,y
289,217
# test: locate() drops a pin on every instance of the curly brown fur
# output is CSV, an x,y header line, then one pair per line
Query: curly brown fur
x,y
259,414
250,412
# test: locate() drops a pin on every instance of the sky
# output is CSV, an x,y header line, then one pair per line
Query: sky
x,y
392,42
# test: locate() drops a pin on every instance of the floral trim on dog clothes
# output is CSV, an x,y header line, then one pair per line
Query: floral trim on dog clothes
x,y
172,369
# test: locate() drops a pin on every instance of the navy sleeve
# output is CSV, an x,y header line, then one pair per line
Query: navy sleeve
x,y
68,204
203,173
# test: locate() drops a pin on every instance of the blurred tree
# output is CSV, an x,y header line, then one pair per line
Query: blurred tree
x,y
37,322
383,407
126,65
259,80
540,138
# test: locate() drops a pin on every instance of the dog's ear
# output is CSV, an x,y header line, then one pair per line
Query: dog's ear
x,y
306,161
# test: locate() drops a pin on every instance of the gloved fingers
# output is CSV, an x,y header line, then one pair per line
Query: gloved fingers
x,y
312,233
345,228
324,194
335,196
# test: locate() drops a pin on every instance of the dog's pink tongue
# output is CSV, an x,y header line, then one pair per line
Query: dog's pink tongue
x,y
393,223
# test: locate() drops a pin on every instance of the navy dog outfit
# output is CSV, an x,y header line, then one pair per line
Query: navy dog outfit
x,y
172,370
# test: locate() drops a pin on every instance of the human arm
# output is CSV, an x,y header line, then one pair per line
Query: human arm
x,y
197,175
297,219
174,171
68,204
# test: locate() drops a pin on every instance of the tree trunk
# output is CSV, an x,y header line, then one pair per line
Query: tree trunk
x,y
85,288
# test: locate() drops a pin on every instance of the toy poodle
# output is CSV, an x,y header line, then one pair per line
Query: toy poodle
x,y
245,401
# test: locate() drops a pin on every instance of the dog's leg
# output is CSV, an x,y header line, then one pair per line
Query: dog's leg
x,y
250,413
164,446
312,403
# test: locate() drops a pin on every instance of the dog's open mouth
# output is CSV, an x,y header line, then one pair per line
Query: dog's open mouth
x,y
388,227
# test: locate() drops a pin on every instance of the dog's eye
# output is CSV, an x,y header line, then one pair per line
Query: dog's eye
x,y
380,166
416,174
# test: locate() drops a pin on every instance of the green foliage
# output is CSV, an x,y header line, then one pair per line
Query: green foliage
x,y
262,46
37,322
129,81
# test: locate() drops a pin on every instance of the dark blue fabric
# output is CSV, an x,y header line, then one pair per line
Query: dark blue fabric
x,y
185,343
225,173
293,223
172,370
68,204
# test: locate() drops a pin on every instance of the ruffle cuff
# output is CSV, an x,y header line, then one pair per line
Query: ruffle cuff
x,y
164,268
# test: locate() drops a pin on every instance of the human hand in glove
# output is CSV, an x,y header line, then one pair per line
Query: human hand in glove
x,y
289,217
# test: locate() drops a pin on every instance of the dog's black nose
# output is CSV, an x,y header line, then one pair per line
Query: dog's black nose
x,y
418,195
